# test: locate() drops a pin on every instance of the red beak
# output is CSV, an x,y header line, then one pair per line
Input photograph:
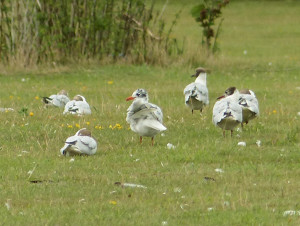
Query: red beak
x,y
130,98
220,97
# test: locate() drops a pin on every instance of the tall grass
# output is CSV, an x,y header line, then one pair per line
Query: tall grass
x,y
58,31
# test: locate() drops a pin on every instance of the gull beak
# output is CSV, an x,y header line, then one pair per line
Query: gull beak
x,y
220,97
130,98
194,75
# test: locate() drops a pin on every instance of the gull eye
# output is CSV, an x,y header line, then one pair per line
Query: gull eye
x,y
138,94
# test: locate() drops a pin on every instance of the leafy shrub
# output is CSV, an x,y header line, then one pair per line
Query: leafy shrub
x,y
206,14
58,31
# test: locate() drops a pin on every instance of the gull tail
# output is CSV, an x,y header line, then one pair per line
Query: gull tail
x,y
155,125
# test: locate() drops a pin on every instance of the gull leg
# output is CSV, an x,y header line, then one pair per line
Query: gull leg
x,y
224,133
141,139
192,111
231,132
152,139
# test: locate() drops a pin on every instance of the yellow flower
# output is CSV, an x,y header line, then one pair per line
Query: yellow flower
x,y
112,202
274,111
77,125
62,125
88,123
36,97
110,126
11,97
96,127
31,114
110,82
70,126
118,126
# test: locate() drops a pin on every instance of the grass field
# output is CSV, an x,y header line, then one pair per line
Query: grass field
x,y
257,183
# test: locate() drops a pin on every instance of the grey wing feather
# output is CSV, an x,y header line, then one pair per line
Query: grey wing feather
x,y
196,90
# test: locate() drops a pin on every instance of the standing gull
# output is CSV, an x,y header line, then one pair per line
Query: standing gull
x,y
144,118
196,93
249,104
227,113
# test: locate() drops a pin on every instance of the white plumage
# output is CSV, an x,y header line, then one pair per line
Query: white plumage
x,y
249,104
57,100
144,118
227,113
196,93
82,143
77,106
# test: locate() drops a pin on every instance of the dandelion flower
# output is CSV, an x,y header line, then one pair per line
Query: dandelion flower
x,y
70,126
31,114
110,126
11,97
77,125
110,82
88,123
36,97
62,125
112,202
274,111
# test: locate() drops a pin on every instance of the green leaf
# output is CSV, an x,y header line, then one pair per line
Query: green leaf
x,y
197,9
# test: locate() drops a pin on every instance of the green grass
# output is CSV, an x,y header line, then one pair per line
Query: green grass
x,y
258,183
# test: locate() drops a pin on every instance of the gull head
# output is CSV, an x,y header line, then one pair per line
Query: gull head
x,y
139,94
199,70
84,132
79,98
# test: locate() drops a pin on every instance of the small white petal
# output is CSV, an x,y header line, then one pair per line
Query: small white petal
x,y
170,146
8,204
72,160
210,209
242,143
291,213
245,52
258,143
218,170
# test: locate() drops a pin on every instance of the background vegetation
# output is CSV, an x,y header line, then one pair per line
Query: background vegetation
x,y
45,31
254,185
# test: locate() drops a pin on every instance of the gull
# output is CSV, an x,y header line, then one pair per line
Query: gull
x,y
249,104
57,100
82,143
227,113
196,93
77,106
144,118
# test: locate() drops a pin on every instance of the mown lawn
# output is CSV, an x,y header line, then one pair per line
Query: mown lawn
x,y
256,185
